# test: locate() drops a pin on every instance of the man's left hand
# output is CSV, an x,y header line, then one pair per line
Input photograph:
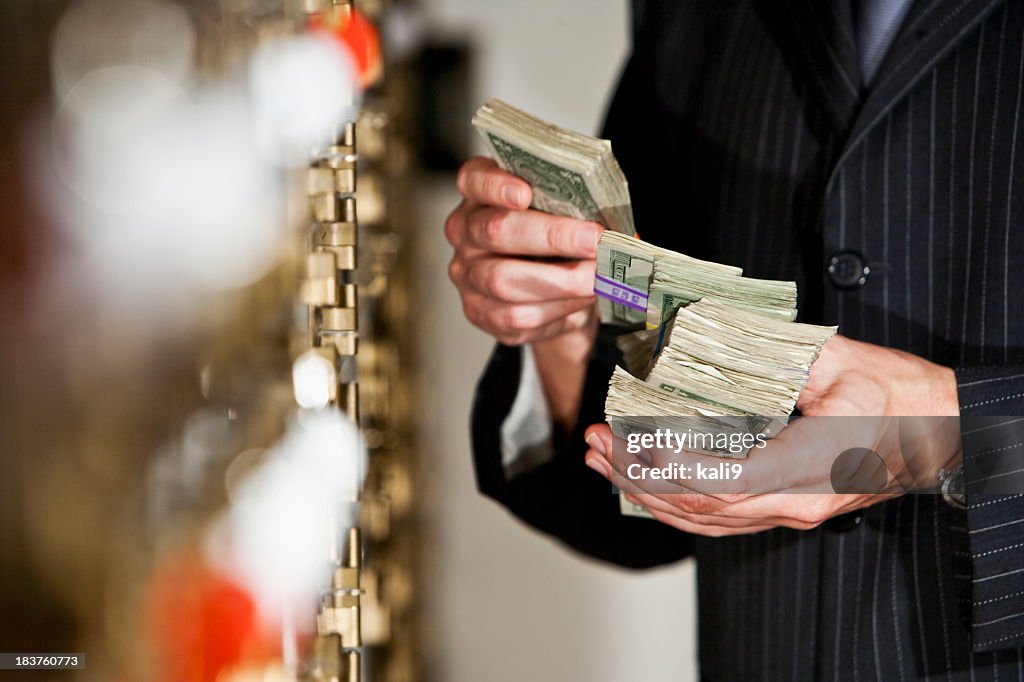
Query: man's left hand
x,y
853,378
783,483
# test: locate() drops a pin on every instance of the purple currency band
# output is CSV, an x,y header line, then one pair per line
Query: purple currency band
x,y
620,293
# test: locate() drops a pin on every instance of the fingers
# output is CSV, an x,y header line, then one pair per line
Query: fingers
x,y
512,280
473,227
481,181
516,323
531,233
707,514
603,435
714,524
573,322
517,300
704,529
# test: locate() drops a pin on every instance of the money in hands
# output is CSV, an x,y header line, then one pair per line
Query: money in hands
x,y
724,367
718,348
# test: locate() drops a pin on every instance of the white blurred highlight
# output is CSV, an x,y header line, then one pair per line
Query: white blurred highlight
x,y
167,187
312,377
94,34
302,88
273,540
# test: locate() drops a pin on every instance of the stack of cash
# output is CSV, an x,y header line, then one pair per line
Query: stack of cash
x,y
718,360
638,350
722,372
675,283
639,282
736,361
572,174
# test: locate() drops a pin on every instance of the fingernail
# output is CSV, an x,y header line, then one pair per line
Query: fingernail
x,y
586,240
594,441
598,465
514,195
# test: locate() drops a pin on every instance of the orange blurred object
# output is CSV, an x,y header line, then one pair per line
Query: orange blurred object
x,y
202,623
359,35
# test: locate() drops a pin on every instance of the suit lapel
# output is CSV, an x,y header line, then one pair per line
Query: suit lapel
x,y
931,29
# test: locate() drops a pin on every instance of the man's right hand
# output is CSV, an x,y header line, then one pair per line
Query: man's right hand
x,y
506,291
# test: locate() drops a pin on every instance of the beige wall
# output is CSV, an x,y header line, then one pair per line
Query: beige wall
x,y
503,602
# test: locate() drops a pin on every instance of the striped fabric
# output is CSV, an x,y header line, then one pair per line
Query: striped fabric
x,y
747,139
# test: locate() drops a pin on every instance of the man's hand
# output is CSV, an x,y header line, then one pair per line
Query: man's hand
x,y
506,291
513,295
855,378
788,483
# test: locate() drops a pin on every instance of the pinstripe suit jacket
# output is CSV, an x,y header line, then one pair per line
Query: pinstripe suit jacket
x,y
748,138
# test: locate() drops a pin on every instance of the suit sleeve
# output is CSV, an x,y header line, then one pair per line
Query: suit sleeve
x,y
994,480
562,497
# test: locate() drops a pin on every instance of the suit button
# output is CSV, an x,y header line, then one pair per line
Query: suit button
x,y
848,269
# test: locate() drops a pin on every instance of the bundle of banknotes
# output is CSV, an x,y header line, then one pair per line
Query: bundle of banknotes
x,y
642,283
572,174
719,359
720,363
718,348
712,345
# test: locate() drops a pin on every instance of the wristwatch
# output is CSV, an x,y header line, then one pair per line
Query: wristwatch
x,y
952,480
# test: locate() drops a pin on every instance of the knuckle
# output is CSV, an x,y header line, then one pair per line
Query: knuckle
x,y
462,179
455,271
494,227
578,320
501,282
567,232
474,315
490,280
509,319
518,318
490,186
574,320
453,227
558,236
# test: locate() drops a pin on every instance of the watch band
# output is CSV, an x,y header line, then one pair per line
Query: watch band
x,y
952,480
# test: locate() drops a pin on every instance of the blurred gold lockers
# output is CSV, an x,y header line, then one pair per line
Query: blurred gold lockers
x,y
129,434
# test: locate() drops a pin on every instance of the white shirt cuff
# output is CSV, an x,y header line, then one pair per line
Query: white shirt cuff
x,y
526,432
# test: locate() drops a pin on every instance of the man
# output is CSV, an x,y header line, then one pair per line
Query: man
x,y
870,152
